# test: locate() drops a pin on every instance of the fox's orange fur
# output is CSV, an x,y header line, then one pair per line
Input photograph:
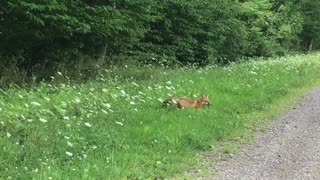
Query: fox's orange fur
x,y
187,102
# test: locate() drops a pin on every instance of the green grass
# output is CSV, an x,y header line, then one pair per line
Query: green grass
x,y
115,127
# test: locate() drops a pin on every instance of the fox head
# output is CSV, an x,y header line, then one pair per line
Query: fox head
x,y
205,100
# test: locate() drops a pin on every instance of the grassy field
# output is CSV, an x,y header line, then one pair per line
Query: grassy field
x,y
115,127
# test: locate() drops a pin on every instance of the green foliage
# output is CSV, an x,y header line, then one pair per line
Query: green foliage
x,y
289,24
272,27
197,32
117,129
49,33
41,37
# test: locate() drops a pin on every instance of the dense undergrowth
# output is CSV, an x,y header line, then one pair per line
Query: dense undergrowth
x,y
114,127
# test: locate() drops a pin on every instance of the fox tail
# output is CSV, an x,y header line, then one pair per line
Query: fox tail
x,y
169,102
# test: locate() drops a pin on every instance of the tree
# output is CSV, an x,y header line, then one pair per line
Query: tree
x,y
197,32
310,35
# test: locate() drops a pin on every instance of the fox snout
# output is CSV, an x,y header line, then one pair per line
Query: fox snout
x,y
206,103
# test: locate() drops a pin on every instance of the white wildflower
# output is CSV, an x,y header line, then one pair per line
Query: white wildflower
x,y
159,87
69,153
87,124
104,111
107,105
119,123
77,100
59,73
35,104
8,135
141,93
132,103
63,111
135,84
123,92
252,72
69,144
43,120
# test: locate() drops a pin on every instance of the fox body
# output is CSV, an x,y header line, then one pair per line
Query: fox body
x,y
183,102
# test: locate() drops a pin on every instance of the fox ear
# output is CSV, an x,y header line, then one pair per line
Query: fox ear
x,y
204,96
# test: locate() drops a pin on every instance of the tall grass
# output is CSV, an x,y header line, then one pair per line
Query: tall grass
x,y
115,127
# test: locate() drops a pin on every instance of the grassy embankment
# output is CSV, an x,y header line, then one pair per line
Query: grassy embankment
x,y
118,129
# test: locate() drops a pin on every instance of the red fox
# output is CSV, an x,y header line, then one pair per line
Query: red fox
x,y
183,102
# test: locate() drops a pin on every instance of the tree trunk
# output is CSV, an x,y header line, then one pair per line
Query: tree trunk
x,y
310,45
102,51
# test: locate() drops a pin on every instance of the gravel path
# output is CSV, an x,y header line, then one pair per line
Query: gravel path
x,y
289,149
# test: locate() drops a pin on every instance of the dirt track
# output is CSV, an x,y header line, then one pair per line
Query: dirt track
x,y
288,149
